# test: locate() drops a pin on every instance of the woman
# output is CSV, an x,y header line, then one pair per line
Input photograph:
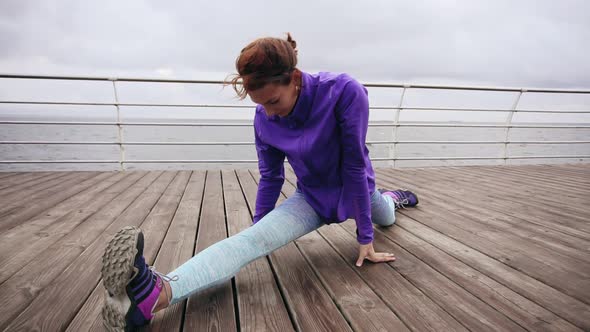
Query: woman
x,y
319,122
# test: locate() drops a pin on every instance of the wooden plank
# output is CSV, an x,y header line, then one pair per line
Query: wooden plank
x,y
15,178
155,229
522,201
499,219
570,171
540,189
524,312
260,304
537,188
49,198
521,224
42,221
18,291
24,180
500,206
575,168
176,248
414,306
552,173
569,203
155,226
360,304
364,309
507,249
532,170
540,175
561,304
19,195
309,303
54,307
469,310
574,165
404,299
89,316
503,206
7,174
212,308
23,243
17,202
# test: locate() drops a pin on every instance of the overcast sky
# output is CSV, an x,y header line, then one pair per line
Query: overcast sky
x,y
537,43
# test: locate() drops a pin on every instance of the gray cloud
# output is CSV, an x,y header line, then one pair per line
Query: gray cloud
x,y
498,42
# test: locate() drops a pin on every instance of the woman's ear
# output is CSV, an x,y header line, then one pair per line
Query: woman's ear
x,y
296,77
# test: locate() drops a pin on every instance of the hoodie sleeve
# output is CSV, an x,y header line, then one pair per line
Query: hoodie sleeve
x,y
352,112
272,176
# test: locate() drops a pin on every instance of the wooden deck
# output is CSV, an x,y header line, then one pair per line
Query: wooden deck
x,y
488,249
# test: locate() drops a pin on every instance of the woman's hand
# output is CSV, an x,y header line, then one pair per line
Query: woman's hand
x,y
367,251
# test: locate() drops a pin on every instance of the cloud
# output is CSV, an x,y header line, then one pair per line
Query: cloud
x,y
499,42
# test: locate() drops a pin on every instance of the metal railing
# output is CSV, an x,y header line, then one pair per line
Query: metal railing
x,y
395,125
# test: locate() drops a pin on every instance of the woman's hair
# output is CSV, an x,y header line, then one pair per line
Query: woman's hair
x,y
265,60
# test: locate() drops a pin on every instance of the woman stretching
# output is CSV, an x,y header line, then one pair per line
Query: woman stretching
x,y
319,122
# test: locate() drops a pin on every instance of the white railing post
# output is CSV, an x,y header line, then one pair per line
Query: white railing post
x,y
119,127
395,128
509,124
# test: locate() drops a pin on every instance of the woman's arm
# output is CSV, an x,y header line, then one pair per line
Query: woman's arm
x,y
352,112
353,117
272,177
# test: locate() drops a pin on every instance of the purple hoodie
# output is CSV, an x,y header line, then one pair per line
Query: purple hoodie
x,y
324,140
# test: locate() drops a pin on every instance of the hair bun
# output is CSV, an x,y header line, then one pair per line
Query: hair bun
x,y
291,41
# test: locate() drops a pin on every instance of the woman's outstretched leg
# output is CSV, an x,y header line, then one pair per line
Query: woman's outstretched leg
x,y
221,261
135,291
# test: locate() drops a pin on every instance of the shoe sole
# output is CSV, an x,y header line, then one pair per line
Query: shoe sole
x,y
117,271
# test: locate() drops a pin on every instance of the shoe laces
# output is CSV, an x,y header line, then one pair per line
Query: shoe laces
x,y
402,204
163,276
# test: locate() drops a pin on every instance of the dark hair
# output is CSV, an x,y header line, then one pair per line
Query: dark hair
x,y
263,61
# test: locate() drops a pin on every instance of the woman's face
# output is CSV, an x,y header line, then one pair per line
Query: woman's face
x,y
276,99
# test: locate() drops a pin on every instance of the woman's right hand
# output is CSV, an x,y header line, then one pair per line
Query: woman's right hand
x,y
366,251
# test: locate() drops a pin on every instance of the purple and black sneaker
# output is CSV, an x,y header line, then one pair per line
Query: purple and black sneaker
x,y
401,198
132,287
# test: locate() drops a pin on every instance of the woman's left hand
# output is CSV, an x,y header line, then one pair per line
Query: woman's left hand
x,y
367,251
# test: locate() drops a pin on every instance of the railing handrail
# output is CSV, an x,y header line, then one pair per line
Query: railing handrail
x,y
249,124
368,84
392,108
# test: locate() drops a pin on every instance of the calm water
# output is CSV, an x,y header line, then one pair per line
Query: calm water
x,y
98,133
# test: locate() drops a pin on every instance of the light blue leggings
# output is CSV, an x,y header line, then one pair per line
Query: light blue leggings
x,y
289,221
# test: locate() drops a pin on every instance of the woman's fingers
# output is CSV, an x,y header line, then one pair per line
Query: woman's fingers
x,y
359,261
382,257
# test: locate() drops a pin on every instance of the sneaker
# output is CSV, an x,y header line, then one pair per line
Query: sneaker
x,y
132,287
401,197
